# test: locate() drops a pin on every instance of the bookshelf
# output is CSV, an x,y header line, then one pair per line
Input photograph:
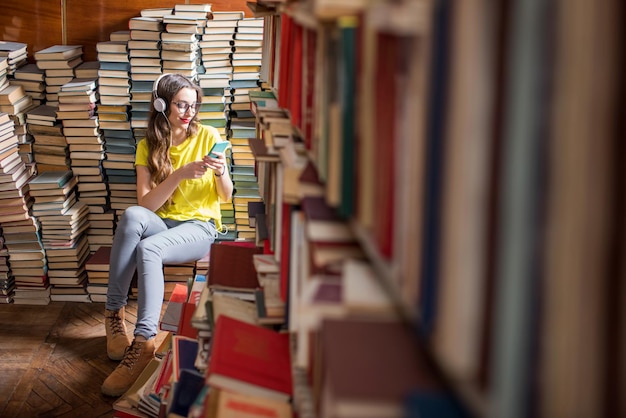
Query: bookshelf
x,y
451,118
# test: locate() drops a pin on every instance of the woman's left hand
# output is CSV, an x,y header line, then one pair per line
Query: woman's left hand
x,y
217,164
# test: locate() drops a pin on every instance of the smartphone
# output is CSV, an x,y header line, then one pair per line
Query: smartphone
x,y
218,147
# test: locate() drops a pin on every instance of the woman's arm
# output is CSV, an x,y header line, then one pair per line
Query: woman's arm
x,y
223,182
153,199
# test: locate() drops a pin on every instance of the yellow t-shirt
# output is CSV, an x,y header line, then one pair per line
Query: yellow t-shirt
x,y
194,198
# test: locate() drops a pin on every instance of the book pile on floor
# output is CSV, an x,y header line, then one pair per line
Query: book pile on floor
x,y
222,359
97,268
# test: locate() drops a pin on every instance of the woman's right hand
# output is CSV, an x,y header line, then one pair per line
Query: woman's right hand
x,y
192,170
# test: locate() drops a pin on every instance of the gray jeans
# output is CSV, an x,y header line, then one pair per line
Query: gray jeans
x,y
144,241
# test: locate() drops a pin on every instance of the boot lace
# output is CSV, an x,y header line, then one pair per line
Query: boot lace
x,y
132,354
116,324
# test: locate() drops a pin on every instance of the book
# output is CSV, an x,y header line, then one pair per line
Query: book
x,y
234,307
238,405
59,52
99,260
250,359
51,179
171,317
185,390
232,267
184,350
323,223
370,382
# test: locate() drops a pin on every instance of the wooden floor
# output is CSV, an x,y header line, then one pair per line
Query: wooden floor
x,y
53,360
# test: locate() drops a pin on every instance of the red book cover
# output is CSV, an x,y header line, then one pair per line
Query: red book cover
x,y
308,83
295,77
284,59
232,267
99,260
385,125
284,250
250,359
184,326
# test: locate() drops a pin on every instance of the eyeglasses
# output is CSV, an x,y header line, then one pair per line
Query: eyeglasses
x,y
183,107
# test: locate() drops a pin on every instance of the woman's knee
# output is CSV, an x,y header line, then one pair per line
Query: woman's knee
x,y
148,250
133,214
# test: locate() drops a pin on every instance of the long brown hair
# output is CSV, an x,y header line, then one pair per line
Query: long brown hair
x,y
159,133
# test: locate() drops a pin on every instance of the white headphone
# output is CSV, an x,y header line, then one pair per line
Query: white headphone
x,y
159,104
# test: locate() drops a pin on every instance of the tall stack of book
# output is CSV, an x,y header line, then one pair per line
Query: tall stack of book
x,y
19,228
58,63
63,224
247,51
246,60
16,54
15,102
82,132
32,79
144,49
49,148
97,268
114,111
246,188
216,49
114,89
179,46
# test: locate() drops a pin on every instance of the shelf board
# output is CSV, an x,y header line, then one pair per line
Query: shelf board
x,y
386,272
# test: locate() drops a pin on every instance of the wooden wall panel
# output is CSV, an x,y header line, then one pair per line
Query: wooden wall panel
x,y
34,22
40,23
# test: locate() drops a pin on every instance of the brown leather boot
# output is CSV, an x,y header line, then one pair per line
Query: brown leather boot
x,y
117,340
136,358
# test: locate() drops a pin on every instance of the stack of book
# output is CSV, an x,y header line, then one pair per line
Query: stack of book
x,y
215,47
32,79
239,379
215,44
4,70
63,224
101,229
16,54
144,49
19,229
114,114
49,150
180,40
28,262
58,63
270,306
177,273
113,76
82,132
247,50
7,282
241,130
97,268
15,101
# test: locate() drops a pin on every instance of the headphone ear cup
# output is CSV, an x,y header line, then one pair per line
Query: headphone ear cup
x,y
160,105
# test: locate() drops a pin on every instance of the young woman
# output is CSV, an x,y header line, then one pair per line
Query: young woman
x,y
179,189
